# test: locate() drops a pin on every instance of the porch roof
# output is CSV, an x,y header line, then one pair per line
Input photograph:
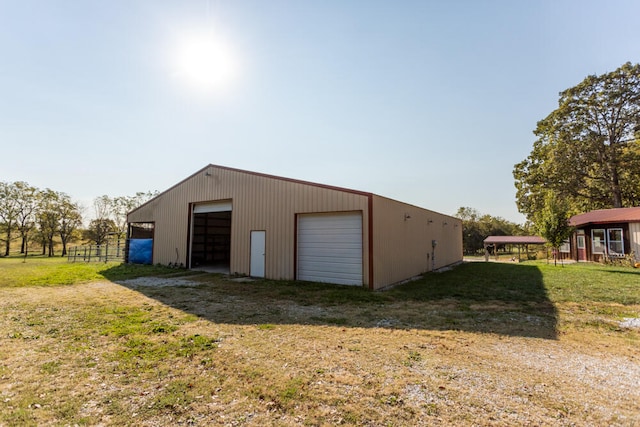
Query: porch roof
x,y
603,216
515,240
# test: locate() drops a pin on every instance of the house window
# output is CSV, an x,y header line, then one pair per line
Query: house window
x,y
607,241
565,247
615,242
581,244
598,238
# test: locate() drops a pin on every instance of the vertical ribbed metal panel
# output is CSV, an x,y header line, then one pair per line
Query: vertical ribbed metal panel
x,y
402,242
634,238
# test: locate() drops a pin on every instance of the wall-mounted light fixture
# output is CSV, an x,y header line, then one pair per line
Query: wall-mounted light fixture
x,y
429,221
407,216
445,223
207,173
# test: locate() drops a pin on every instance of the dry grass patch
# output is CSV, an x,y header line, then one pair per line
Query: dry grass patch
x,y
210,351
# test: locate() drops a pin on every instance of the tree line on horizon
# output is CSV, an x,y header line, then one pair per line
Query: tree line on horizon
x,y
44,217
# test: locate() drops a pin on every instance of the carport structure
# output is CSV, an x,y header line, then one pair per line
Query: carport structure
x,y
519,241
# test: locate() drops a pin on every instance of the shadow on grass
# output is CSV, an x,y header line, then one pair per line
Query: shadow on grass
x,y
622,270
496,298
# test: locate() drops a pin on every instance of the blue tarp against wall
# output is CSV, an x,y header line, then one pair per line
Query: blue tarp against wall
x,y
140,251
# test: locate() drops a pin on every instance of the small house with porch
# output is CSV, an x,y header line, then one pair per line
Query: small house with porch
x,y
605,233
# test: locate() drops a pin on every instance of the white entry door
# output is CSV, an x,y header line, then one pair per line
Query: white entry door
x,y
258,240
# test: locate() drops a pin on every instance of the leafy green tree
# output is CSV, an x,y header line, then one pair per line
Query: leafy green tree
x,y
117,208
472,234
588,150
552,223
125,204
9,209
27,203
100,229
70,220
48,218
34,213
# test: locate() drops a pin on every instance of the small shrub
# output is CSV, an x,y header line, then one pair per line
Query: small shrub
x,y
51,367
266,327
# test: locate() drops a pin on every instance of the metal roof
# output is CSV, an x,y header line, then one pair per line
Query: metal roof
x,y
515,240
603,216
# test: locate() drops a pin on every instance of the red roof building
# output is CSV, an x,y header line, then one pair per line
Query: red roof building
x,y
606,233
604,216
495,241
515,240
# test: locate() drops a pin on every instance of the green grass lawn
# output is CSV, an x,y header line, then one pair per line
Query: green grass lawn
x,y
530,281
17,271
533,281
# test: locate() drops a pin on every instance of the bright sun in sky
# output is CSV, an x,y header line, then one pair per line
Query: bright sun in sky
x,y
204,62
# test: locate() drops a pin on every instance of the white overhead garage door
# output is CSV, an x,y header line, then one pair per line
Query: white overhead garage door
x,y
218,206
330,248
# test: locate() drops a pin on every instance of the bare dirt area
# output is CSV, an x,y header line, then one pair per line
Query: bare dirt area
x,y
202,351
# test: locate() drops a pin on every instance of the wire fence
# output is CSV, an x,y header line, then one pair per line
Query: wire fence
x,y
97,253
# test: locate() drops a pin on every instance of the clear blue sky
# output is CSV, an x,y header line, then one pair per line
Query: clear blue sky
x,y
427,102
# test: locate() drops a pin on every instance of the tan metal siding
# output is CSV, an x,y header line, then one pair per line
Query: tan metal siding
x,y
402,247
259,203
634,238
